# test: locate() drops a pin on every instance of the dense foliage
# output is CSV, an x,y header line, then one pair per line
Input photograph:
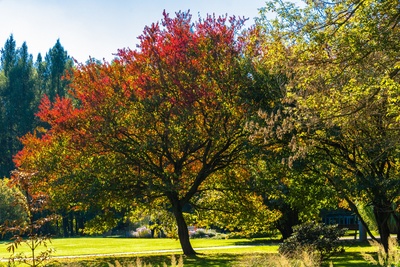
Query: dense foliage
x,y
341,98
11,209
23,83
216,126
162,125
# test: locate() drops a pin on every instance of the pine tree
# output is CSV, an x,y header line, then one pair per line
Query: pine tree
x,y
42,77
17,97
8,55
58,62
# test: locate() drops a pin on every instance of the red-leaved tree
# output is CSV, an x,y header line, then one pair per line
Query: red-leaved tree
x,y
157,125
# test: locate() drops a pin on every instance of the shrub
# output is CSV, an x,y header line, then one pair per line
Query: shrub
x,y
11,206
142,232
391,258
202,233
28,233
313,238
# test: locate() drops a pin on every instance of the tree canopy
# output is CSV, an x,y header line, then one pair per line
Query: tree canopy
x,y
159,125
342,94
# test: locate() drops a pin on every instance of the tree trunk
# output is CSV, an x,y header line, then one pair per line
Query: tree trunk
x,y
183,232
71,223
354,209
65,224
81,223
382,215
290,218
398,228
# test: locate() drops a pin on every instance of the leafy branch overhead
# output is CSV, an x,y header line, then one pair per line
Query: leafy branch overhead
x,y
341,99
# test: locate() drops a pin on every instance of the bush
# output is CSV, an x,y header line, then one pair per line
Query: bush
x,y
11,207
202,233
313,238
391,258
142,232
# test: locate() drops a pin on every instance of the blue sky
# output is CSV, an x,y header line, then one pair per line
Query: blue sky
x,y
98,28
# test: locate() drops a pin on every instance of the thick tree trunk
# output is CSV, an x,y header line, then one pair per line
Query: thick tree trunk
x,y
290,218
183,232
382,215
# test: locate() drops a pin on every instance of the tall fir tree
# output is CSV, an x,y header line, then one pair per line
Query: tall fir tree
x,y
42,77
58,62
8,60
8,55
22,85
17,98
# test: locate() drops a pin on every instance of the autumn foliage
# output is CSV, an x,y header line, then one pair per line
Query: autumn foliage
x,y
153,126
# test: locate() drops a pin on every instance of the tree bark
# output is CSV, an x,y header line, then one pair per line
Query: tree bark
x,y
382,214
65,224
354,209
290,218
183,232
71,223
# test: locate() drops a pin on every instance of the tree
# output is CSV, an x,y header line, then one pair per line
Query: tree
x,y
17,97
297,192
27,232
58,63
159,125
8,60
9,55
342,95
42,78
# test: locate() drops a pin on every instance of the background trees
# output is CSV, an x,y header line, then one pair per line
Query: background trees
x,y
17,95
57,64
22,84
296,191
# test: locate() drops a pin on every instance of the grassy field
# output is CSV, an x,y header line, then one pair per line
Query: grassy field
x,y
98,245
214,252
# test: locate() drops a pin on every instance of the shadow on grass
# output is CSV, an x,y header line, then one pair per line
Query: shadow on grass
x,y
258,241
349,259
219,260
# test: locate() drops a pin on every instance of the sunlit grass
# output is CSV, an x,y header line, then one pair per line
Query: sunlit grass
x,y
213,252
92,246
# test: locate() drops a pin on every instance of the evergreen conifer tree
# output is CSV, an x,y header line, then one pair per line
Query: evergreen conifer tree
x,y
17,98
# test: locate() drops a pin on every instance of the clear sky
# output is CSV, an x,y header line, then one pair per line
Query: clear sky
x,y
98,28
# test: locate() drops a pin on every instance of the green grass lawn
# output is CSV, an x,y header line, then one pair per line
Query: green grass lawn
x,y
99,245
220,252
